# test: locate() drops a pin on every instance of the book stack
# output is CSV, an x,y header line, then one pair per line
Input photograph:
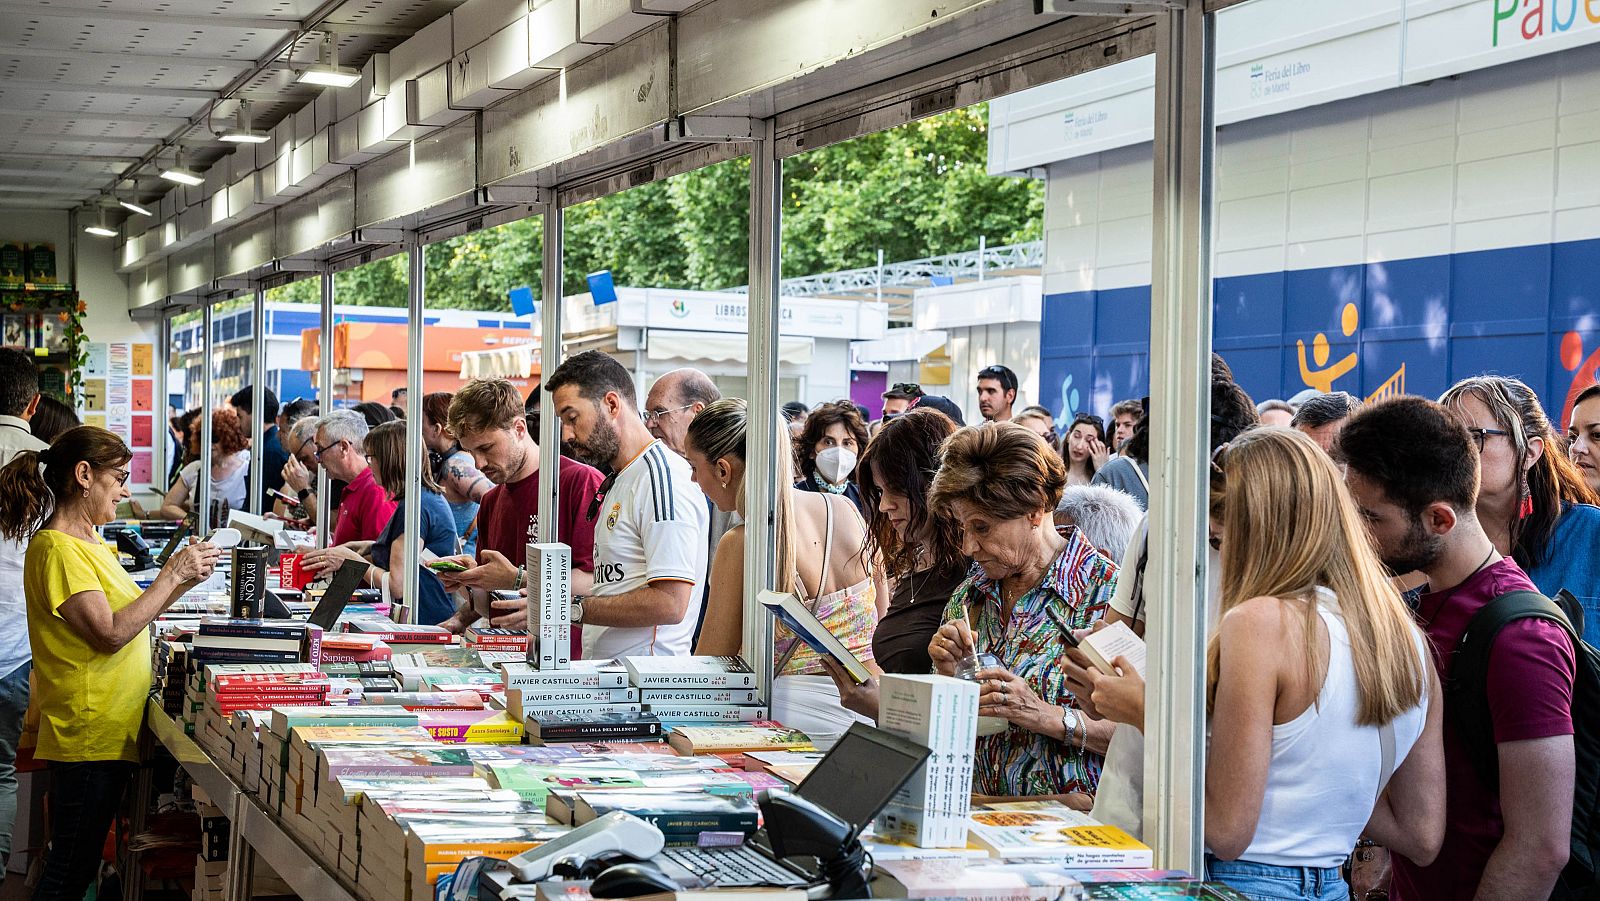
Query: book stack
x,y
391,632
353,647
172,672
940,713
697,689
232,687
589,701
549,605
312,808
681,816
485,638
225,640
384,818
337,814
430,700
737,740
1048,829
370,677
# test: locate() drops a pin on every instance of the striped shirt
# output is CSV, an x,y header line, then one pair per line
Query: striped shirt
x,y
651,527
1075,591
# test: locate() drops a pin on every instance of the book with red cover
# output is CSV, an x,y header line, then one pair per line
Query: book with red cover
x,y
257,682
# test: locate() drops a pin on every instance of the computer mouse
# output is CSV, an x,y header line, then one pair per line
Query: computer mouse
x,y
629,880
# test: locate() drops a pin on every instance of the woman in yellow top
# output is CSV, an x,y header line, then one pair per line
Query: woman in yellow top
x,y
86,623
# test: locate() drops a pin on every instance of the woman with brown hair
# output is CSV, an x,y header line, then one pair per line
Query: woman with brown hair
x,y
86,623
919,549
1320,686
1030,586
230,467
827,451
1532,501
385,448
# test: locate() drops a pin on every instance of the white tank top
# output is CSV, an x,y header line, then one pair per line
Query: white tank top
x,y
1325,769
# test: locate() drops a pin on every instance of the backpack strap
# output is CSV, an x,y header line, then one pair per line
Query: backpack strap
x,y
1468,686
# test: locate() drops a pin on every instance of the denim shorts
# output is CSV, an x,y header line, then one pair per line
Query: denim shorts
x,y
1268,882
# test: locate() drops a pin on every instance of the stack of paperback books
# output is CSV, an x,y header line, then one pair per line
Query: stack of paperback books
x,y
393,633
587,702
940,713
697,689
485,638
224,640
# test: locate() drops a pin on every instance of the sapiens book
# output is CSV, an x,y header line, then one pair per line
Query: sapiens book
x,y
620,727
792,612
689,672
1070,837
742,738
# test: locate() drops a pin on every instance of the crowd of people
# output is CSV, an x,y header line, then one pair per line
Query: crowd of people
x,y
1351,548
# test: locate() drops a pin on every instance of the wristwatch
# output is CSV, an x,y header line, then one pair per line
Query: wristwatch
x,y
577,610
302,494
1069,723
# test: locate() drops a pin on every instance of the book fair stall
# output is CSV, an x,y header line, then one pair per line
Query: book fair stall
x,y
332,748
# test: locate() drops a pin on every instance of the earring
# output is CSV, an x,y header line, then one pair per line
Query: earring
x,y
85,492
1525,508
724,484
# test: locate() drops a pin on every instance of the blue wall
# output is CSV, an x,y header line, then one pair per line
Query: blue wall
x,y
1532,312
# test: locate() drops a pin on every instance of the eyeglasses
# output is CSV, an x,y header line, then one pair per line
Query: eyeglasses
x,y
324,449
122,476
1482,435
650,416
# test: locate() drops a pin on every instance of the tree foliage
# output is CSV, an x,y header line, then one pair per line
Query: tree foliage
x,y
919,190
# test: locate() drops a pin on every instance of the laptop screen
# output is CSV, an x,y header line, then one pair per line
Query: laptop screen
x,y
861,773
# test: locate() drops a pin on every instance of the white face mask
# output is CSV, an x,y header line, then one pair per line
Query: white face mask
x,y
836,463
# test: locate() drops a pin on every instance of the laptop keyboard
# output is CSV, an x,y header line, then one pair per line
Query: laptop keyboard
x,y
732,867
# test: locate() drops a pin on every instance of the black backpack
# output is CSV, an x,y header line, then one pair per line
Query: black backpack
x,y
1467,693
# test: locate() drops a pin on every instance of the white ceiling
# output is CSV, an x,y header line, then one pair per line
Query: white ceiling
x,y
91,89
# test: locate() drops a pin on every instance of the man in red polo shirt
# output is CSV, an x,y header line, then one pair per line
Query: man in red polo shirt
x,y
364,508
488,419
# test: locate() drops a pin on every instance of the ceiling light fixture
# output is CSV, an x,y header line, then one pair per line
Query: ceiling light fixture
x,y
241,132
327,72
99,229
132,207
176,172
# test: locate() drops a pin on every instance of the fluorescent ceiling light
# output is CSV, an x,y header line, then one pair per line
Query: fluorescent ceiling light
x,y
241,132
132,207
98,229
327,72
182,176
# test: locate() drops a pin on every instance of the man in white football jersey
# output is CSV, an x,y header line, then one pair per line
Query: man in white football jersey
x,y
649,517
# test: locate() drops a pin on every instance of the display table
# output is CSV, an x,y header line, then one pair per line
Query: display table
x,y
255,832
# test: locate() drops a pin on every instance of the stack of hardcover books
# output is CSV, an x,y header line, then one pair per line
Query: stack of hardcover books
x,y
225,640
697,689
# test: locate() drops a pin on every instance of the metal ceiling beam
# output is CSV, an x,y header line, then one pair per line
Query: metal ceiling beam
x,y
46,189
26,11
134,90
112,139
13,51
10,112
89,178
73,157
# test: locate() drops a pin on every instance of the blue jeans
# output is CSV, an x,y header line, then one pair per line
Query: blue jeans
x,y
1268,882
84,798
13,707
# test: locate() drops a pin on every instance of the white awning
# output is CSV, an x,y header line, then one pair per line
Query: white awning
x,y
898,345
720,347
513,362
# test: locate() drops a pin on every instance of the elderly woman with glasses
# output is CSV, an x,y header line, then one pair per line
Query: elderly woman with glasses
x,y
1029,586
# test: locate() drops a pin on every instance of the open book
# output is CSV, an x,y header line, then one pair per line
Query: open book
x,y
793,613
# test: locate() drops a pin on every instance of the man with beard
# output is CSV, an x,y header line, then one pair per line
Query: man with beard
x,y
650,531
487,420
1412,469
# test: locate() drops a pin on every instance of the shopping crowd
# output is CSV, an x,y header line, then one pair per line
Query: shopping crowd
x,y
1350,707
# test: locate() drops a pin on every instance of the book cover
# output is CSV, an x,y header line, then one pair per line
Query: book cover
x,y
709,713
939,713
285,719
581,711
435,843
582,674
1068,836
699,695
643,726
251,628
957,878
430,700
526,698
475,726
689,672
532,782
711,739
379,761
792,612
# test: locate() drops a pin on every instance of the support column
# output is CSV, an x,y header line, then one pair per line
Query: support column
x,y
550,356
761,443
325,401
258,398
416,287
202,482
1180,407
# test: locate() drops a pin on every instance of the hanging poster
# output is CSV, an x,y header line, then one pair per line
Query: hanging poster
x,y
98,359
94,394
143,395
98,420
121,358
143,359
141,431
139,467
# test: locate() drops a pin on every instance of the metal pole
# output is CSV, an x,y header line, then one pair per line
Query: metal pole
x,y
761,444
1180,404
982,246
202,480
411,584
550,357
880,275
161,455
325,403
258,400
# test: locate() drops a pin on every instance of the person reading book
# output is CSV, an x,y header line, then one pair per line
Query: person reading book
x,y
1029,587
1318,683
87,623
819,538
920,550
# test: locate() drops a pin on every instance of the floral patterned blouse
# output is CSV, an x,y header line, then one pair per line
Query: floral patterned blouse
x,y
1075,592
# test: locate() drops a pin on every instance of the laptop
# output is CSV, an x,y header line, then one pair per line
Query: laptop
x,y
346,579
854,781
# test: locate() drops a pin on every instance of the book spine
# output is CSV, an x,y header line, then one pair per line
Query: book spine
x,y
718,713
708,696
670,822
556,711
241,655
273,688
695,680
224,681
250,630
311,650
593,731
548,680
530,698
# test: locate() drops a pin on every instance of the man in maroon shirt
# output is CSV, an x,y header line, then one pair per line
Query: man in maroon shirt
x,y
487,419
1413,471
